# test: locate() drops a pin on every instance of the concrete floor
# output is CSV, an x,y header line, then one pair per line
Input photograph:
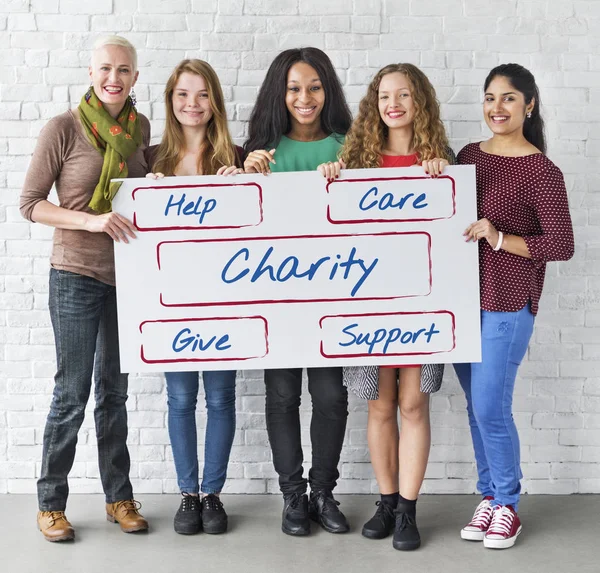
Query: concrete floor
x,y
561,534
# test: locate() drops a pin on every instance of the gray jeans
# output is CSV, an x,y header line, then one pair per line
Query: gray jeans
x,y
83,311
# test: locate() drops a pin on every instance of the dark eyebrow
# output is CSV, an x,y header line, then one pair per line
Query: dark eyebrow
x,y
504,94
296,81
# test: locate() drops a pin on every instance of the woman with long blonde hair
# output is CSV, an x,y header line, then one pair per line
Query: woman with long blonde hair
x,y
196,141
398,125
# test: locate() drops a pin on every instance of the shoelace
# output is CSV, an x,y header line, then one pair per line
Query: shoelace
x,y
128,505
502,521
483,514
294,500
190,503
384,509
55,516
404,519
211,502
329,502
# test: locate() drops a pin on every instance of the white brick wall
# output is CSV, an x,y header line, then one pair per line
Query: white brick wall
x,y
44,49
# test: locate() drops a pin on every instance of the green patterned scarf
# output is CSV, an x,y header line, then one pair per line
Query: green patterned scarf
x,y
116,140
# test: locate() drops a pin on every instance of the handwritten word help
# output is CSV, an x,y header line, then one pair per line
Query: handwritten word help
x,y
196,208
268,266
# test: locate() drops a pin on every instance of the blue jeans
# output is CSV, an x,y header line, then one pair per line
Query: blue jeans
x,y
83,311
182,396
488,387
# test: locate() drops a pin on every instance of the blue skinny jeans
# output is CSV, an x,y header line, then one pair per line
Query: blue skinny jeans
x,y
182,397
488,387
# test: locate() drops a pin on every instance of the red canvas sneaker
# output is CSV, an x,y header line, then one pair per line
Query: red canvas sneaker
x,y
480,522
504,529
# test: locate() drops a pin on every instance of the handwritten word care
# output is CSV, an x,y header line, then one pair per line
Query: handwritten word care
x,y
371,200
244,264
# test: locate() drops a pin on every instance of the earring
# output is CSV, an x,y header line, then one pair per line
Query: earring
x,y
133,97
88,94
528,115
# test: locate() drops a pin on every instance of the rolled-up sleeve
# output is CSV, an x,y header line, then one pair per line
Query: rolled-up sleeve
x,y
45,167
550,203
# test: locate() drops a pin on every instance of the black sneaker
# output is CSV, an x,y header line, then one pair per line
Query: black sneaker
x,y
294,519
323,509
214,518
188,519
382,523
406,534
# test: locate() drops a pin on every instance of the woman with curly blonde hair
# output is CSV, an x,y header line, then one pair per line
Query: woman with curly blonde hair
x,y
398,125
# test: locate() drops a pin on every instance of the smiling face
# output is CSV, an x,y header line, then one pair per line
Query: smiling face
x,y
396,105
191,102
305,96
504,107
113,76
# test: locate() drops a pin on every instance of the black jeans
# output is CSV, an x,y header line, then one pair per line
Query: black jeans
x,y
84,318
327,427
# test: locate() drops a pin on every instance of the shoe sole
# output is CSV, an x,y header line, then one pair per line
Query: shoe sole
x,y
129,529
501,543
406,545
372,534
66,537
472,535
296,533
315,518
187,530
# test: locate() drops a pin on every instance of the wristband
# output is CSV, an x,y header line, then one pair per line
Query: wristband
x,y
500,241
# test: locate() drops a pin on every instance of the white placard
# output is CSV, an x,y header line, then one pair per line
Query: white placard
x,y
289,270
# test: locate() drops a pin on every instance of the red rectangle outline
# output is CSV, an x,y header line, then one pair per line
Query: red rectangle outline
x,y
199,227
361,221
245,239
185,360
380,354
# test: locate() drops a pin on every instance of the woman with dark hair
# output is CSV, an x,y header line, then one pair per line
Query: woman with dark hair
x,y
524,222
299,120
398,125
196,141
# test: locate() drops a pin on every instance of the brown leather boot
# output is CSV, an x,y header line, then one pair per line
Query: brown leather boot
x,y
55,526
126,514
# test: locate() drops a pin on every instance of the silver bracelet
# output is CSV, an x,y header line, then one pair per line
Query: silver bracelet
x,y
500,241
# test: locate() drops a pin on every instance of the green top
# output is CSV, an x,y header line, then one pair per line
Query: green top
x,y
292,155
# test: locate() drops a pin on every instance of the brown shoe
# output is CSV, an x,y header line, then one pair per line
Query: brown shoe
x,y
126,514
55,526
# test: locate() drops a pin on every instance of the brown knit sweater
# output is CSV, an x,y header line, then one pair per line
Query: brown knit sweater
x,y
64,156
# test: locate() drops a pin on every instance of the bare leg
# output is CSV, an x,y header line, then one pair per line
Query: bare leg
x,y
382,432
415,434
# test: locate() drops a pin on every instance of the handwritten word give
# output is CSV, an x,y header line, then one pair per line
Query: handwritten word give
x,y
390,201
185,340
291,267
196,208
385,336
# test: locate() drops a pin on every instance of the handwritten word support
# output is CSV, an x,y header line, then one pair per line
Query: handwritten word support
x,y
221,206
390,199
203,340
390,334
342,267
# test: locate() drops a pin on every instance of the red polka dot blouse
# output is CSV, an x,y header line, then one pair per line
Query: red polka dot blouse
x,y
524,196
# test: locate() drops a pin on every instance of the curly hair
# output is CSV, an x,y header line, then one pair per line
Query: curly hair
x,y
366,138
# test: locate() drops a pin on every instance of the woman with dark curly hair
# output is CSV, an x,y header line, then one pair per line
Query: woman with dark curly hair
x,y
398,125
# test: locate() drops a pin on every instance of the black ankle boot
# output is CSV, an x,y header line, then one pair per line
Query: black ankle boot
x,y
382,523
294,519
406,534
323,509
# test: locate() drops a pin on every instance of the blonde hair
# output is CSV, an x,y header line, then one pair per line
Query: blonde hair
x,y
368,135
116,41
218,148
